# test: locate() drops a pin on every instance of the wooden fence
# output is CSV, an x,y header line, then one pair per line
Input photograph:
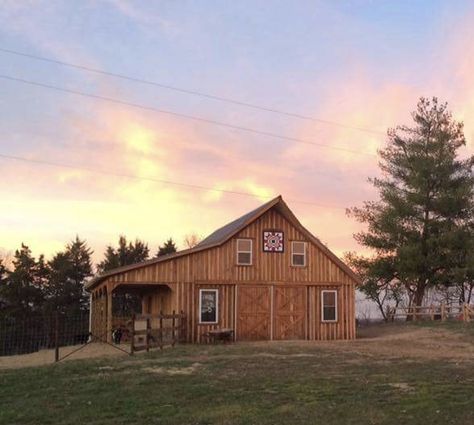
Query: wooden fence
x,y
157,331
441,312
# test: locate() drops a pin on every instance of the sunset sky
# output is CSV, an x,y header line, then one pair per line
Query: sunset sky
x,y
362,64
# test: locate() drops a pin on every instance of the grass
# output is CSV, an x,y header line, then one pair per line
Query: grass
x,y
242,384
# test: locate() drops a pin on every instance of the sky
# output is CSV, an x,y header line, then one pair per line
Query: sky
x,y
360,64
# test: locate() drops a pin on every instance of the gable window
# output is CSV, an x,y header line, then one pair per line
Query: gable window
x,y
244,252
329,306
298,253
208,305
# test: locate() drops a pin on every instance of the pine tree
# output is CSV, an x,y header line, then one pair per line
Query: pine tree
x,y
3,285
425,206
124,254
169,247
68,272
23,289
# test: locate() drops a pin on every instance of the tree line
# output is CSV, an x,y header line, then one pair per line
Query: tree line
x,y
30,286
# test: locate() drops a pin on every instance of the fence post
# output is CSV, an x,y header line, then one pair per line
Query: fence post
x,y
56,336
443,312
147,334
182,331
173,341
161,330
132,339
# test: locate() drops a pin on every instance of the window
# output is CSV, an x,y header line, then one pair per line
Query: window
x,y
329,306
244,252
298,253
208,306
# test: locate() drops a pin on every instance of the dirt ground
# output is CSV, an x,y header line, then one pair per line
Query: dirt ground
x,y
381,341
44,357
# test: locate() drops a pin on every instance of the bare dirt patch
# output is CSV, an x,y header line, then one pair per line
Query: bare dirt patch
x,y
173,370
44,357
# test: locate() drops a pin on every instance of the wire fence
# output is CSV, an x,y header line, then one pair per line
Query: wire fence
x,y
22,335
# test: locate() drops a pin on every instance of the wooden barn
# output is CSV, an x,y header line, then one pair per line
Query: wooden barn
x,y
263,275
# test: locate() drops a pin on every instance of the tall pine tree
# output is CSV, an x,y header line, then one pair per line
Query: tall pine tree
x,y
68,272
3,285
23,289
124,254
169,247
425,206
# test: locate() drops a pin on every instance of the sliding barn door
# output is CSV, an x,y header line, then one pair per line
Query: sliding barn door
x,y
253,313
289,312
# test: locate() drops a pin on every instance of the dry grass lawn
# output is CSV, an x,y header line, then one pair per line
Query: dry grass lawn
x,y
393,374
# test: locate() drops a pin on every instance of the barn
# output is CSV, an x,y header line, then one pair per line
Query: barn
x,y
263,275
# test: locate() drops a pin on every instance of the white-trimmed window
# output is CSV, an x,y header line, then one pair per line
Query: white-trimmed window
x,y
298,253
244,252
208,305
329,306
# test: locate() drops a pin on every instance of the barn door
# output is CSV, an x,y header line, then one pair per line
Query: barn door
x,y
289,312
253,313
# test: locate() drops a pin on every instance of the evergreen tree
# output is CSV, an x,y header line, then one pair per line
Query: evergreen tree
x,y
3,285
425,206
68,272
23,287
124,254
169,247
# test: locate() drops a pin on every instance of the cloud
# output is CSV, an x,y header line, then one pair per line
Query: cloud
x,y
46,206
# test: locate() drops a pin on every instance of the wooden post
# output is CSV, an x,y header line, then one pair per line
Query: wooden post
x,y
183,336
109,313
443,312
465,313
132,340
173,341
432,315
161,330
56,337
147,336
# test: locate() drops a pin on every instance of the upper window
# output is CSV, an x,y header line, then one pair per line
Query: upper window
x,y
329,306
244,252
298,253
208,305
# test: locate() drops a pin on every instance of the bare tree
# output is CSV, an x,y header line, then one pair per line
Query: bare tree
x,y
191,240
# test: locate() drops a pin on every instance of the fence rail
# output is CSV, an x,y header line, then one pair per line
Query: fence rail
x,y
441,312
157,331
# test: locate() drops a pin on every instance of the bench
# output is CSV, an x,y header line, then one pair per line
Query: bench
x,y
224,335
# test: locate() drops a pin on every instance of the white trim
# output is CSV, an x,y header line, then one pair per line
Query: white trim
x,y
304,253
335,305
244,252
216,291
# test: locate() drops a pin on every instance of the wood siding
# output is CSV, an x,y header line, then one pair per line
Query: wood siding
x,y
216,268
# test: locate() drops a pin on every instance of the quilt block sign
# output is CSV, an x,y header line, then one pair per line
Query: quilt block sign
x,y
272,241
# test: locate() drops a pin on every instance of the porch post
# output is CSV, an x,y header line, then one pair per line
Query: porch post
x,y
109,313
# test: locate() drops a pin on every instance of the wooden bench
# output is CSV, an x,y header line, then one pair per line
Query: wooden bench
x,y
225,335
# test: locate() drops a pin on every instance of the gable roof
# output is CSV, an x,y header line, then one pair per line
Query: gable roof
x,y
223,234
